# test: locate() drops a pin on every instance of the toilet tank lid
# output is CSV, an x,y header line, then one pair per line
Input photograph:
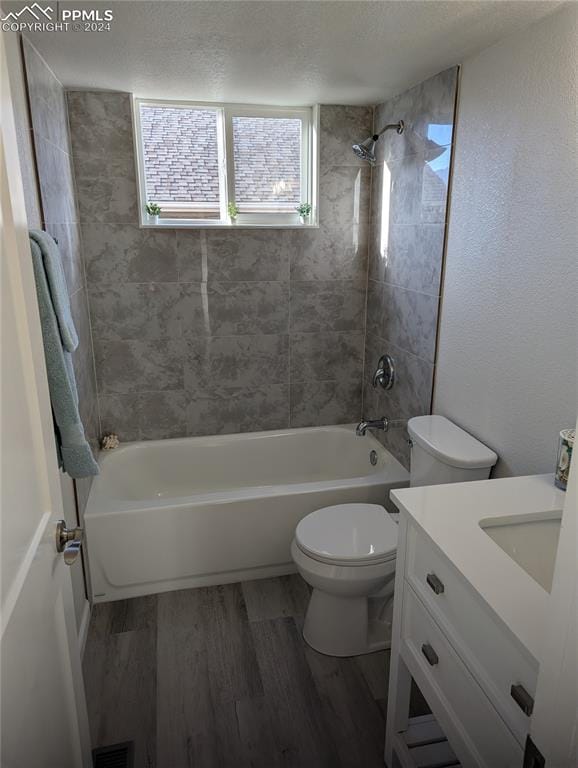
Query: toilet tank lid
x,y
449,443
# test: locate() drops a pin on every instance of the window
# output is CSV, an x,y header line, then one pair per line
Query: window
x,y
196,159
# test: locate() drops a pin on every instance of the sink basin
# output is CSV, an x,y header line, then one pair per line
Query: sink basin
x,y
530,540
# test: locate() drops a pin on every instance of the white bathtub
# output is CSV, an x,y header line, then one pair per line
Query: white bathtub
x,y
172,514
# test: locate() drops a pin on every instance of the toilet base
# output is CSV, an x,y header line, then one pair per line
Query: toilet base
x,y
347,626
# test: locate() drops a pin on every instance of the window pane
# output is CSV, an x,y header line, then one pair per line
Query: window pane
x,y
267,154
181,161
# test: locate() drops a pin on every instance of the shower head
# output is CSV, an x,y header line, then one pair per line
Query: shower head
x,y
366,149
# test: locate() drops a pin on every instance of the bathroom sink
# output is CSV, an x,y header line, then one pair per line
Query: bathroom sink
x,y
530,540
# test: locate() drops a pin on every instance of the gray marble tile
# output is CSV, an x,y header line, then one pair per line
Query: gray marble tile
x,y
411,190
225,409
251,255
126,253
334,305
344,195
138,366
409,255
87,395
88,411
235,309
135,311
46,99
412,392
69,245
340,127
56,182
315,403
101,133
428,113
24,138
191,255
120,414
326,355
41,81
163,415
81,319
397,443
107,199
380,197
406,318
240,361
419,187
330,253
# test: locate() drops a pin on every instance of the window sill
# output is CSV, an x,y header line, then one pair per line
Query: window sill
x,y
184,224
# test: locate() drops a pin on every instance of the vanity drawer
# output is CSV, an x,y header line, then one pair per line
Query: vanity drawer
x,y
487,647
474,728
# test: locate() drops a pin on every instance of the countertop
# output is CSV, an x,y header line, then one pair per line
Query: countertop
x,y
450,515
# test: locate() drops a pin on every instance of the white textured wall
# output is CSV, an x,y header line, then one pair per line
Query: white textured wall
x,y
507,343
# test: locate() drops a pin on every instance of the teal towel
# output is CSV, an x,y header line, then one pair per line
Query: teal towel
x,y
57,286
60,339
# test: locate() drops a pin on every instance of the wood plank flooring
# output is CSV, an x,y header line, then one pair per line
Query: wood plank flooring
x,y
220,677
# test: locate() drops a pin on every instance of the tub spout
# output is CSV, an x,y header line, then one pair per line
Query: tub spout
x,y
363,426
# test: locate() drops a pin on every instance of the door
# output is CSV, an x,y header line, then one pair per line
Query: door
x,y
43,712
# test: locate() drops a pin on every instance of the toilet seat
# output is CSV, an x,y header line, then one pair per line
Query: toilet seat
x,y
348,535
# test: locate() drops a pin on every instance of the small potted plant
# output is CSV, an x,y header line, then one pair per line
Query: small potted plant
x,y
154,211
233,211
304,211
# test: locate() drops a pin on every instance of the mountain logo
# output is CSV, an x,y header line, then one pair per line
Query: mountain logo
x,y
33,10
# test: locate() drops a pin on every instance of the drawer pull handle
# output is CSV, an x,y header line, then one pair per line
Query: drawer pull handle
x,y
522,699
430,654
436,584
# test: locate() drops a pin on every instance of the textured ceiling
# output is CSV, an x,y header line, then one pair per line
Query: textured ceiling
x,y
280,51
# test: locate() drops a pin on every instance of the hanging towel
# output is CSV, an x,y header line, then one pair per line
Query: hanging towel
x,y
60,340
57,287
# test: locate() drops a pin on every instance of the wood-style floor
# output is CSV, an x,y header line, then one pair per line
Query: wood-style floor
x,y
220,677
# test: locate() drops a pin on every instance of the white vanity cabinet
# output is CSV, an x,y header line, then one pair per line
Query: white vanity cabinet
x,y
457,654
466,628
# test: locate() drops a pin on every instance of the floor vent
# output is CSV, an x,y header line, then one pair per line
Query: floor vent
x,y
115,756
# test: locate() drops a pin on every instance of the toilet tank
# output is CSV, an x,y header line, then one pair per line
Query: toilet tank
x,y
442,452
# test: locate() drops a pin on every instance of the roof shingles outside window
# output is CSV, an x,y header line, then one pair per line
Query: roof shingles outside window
x,y
181,163
267,160
180,153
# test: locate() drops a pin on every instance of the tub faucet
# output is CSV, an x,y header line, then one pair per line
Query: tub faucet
x,y
363,426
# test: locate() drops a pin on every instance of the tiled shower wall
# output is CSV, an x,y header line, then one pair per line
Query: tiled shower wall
x,y
407,230
200,331
57,213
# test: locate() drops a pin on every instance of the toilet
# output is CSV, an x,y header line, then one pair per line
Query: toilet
x,y
347,552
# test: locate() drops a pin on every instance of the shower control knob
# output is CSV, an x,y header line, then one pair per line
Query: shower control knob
x,y
384,376
68,542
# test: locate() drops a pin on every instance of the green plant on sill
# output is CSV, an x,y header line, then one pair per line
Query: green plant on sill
x,y
232,210
304,210
153,209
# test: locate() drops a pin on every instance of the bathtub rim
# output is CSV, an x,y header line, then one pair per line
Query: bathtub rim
x,y
99,504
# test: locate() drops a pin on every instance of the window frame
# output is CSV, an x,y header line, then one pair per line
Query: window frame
x,y
309,117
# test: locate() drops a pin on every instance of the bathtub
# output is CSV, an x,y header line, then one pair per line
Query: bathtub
x,y
190,512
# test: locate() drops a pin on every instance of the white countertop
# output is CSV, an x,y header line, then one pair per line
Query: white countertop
x,y
450,516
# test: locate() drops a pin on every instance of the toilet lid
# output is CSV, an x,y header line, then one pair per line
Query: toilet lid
x,y
349,533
